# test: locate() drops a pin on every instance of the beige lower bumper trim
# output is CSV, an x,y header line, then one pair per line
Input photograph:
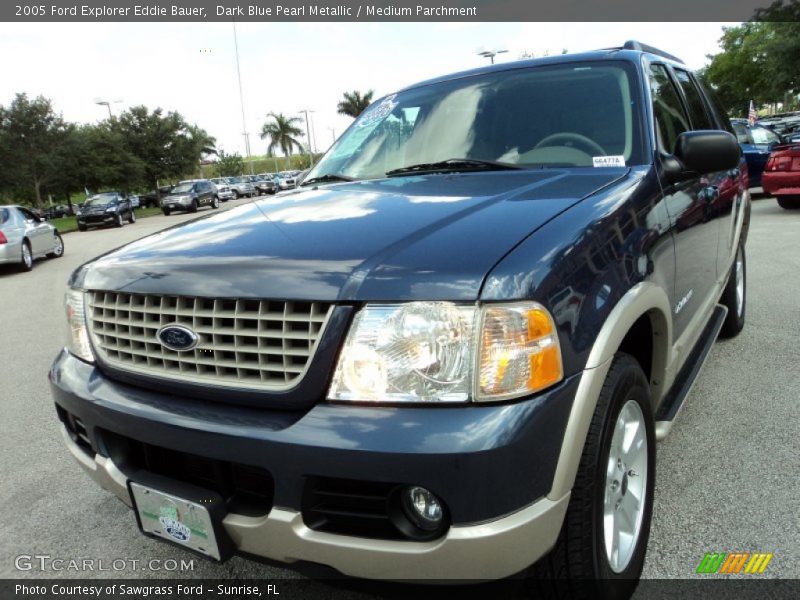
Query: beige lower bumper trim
x,y
489,550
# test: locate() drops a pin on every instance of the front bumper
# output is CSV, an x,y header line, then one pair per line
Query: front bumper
x,y
174,204
492,465
97,219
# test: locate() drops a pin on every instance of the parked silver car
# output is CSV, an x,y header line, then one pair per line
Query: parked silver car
x,y
24,237
288,180
224,191
241,187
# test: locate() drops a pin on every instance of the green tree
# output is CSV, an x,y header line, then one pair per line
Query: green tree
x,y
31,135
758,62
229,165
166,145
282,132
354,103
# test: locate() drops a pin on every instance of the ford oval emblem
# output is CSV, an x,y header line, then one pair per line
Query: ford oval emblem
x,y
177,338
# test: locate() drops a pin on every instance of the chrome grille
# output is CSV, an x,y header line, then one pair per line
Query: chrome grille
x,y
254,344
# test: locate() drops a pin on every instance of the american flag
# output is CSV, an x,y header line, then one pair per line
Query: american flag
x,y
752,115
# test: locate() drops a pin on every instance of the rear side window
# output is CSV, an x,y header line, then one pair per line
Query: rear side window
x,y
697,107
741,133
5,215
762,135
671,120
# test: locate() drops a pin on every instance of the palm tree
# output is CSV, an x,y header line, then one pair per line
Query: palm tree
x,y
353,103
205,143
282,132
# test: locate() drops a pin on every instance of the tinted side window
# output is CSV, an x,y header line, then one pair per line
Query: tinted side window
x,y
5,215
28,215
713,101
671,119
697,108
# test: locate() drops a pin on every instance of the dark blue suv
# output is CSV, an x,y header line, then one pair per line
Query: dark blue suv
x,y
449,353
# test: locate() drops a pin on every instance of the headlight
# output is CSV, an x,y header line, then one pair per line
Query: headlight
x,y
442,352
416,352
111,209
77,333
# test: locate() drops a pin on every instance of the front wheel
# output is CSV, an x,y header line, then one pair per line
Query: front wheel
x,y
734,297
118,220
215,202
132,217
603,540
58,247
166,211
193,207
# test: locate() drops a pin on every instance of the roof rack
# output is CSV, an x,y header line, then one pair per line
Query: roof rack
x,y
634,45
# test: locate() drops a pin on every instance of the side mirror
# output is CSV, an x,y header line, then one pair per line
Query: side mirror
x,y
706,151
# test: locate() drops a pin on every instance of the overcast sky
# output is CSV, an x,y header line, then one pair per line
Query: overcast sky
x,y
285,67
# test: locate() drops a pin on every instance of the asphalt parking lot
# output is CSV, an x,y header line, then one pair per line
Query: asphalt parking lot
x,y
727,477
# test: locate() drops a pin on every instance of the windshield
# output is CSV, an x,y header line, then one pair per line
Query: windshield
x,y
564,115
100,200
183,188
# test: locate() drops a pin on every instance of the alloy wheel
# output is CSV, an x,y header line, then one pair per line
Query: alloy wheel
x,y
625,486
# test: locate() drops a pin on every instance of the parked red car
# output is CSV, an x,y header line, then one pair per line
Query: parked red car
x,y
782,176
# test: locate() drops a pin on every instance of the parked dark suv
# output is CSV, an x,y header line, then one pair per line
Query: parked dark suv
x,y
106,208
449,354
188,196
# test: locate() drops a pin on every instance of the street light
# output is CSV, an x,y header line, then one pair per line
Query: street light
x,y
308,133
107,104
490,54
241,100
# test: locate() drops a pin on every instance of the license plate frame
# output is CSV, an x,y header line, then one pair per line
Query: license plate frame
x,y
181,514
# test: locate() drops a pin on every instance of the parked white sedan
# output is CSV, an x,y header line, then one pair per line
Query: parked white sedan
x,y
24,237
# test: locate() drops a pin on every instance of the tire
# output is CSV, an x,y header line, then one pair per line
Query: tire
x,y
132,217
58,250
580,566
118,220
193,207
82,227
788,202
26,257
734,297
215,202
236,195
166,211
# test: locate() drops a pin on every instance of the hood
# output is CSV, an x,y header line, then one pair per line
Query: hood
x,y
428,237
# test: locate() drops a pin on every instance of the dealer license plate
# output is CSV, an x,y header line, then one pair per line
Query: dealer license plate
x,y
174,519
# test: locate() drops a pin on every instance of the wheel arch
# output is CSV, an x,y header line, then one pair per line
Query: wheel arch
x,y
643,310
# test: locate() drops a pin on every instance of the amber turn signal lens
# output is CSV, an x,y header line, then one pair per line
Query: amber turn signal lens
x,y
519,352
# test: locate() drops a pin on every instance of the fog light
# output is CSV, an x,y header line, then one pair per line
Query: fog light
x,y
422,508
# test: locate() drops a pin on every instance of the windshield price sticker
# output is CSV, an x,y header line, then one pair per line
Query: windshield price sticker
x,y
608,161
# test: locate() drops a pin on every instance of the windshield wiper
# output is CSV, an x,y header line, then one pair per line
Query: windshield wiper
x,y
453,165
327,178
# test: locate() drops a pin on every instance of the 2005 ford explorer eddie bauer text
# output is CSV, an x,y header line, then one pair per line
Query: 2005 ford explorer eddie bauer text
x,y
449,353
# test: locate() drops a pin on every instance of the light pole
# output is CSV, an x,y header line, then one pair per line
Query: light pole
x,y
107,104
241,100
308,133
490,54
